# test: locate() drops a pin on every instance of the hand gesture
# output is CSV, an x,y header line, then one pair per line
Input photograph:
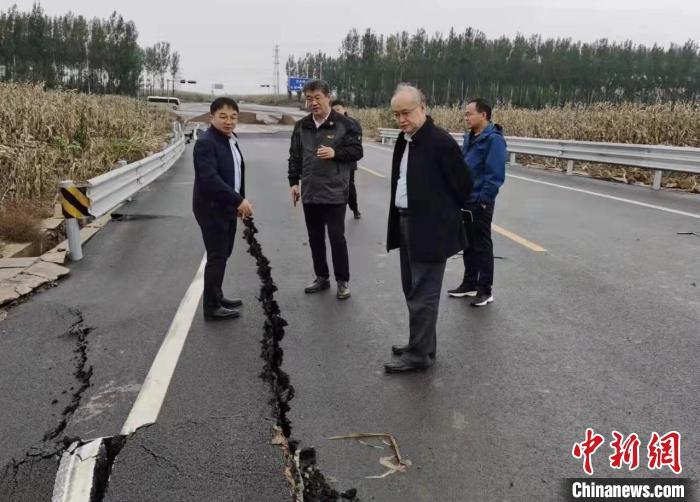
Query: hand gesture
x,y
245,210
325,153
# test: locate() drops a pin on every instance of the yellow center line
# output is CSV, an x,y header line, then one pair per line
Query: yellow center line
x,y
496,228
520,240
371,171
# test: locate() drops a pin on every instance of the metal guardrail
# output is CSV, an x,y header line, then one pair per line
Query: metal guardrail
x,y
659,158
107,191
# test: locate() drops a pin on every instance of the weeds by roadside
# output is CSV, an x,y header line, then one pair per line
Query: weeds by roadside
x,y
49,136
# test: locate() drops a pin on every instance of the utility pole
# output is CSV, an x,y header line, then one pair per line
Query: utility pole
x,y
276,73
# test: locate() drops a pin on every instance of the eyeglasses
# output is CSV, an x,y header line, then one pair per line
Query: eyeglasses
x,y
405,113
310,99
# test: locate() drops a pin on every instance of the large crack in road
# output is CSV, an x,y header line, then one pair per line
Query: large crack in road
x,y
53,445
307,482
82,373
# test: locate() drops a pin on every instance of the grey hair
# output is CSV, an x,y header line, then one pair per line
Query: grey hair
x,y
420,97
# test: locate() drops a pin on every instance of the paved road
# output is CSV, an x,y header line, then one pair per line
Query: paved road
x,y
189,110
600,331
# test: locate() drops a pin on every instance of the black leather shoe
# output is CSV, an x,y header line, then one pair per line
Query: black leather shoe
x,y
220,314
399,350
343,291
319,284
231,303
402,366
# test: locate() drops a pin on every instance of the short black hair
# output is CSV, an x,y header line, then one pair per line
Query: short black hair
x,y
481,106
317,85
337,102
222,102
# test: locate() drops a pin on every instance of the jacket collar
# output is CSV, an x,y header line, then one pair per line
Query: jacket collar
x,y
221,136
308,121
483,135
421,133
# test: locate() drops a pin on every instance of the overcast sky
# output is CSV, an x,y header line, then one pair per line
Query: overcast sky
x,y
232,41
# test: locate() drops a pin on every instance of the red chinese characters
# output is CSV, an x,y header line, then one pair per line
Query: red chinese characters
x,y
625,452
662,451
587,448
665,451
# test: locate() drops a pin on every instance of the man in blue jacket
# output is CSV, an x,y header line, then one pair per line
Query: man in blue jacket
x,y
485,152
218,199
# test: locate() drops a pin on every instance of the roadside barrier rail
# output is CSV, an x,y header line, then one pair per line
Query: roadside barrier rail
x,y
659,158
103,193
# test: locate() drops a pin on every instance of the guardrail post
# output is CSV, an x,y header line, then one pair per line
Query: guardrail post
x,y
74,205
569,167
657,179
512,158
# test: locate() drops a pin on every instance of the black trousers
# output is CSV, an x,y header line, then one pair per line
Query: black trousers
x,y
219,235
352,195
421,283
478,256
318,218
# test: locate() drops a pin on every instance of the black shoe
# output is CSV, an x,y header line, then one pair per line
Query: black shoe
x,y
402,366
343,292
220,314
462,291
319,284
357,215
399,350
482,299
231,303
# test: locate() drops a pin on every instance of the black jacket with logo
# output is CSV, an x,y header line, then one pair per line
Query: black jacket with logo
x,y
324,181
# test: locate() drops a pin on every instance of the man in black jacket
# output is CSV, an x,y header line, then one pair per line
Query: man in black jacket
x,y
430,183
323,149
218,198
339,107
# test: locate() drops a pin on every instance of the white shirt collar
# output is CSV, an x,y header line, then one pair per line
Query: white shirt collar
x,y
318,124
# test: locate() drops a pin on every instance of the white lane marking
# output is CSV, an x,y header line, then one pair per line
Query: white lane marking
x,y
588,192
150,399
76,472
605,196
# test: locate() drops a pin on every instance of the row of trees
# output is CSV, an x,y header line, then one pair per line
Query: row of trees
x,y
71,51
529,72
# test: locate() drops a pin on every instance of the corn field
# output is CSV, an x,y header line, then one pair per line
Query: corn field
x,y
48,136
676,124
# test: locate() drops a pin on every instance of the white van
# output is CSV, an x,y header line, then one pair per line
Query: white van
x,y
169,101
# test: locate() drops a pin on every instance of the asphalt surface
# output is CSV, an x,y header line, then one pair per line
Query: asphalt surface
x,y
189,110
601,330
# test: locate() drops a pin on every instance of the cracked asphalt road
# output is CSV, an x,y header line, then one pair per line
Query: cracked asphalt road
x,y
601,331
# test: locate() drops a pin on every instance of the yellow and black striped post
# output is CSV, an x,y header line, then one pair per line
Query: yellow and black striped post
x,y
74,204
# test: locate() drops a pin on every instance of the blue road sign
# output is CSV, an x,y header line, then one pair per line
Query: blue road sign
x,y
296,83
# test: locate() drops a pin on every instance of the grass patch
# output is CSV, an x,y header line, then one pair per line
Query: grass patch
x,y
20,222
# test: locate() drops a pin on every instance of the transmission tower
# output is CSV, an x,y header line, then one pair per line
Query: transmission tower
x,y
276,73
